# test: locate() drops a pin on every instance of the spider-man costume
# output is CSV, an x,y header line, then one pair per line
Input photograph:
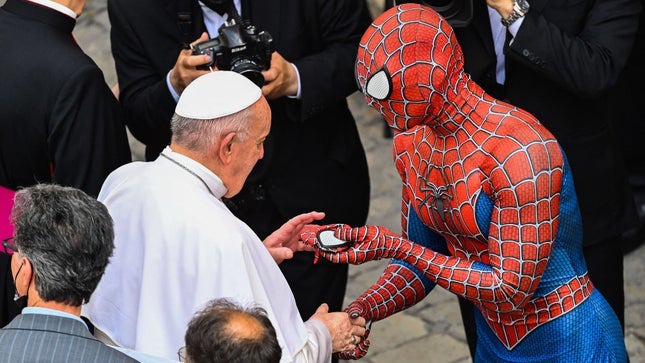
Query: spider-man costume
x,y
489,209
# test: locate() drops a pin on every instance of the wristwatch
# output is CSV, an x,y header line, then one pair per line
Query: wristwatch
x,y
520,7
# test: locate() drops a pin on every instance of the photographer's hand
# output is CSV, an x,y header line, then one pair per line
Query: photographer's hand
x,y
281,79
503,7
185,70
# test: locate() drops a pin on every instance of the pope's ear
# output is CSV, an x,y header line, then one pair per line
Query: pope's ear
x,y
225,147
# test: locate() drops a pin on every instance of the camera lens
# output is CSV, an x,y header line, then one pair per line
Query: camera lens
x,y
249,69
255,77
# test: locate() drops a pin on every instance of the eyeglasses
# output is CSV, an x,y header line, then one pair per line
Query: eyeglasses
x,y
8,245
181,353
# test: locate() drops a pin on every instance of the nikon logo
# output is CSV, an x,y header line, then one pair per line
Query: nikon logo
x,y
238,49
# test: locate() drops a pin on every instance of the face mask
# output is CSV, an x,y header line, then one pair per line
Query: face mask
x,y
21,301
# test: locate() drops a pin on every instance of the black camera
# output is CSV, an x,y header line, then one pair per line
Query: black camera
x,y
240,46
458,13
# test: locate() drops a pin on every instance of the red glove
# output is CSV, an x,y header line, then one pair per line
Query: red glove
x,y
355,310
365,243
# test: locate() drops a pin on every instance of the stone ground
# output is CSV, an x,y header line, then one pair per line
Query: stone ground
x,y
431,331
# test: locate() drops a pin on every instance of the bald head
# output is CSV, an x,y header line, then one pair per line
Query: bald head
x,y
226,332
241,325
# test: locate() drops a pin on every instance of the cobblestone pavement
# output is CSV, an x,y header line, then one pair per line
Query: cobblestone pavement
x,y
431,331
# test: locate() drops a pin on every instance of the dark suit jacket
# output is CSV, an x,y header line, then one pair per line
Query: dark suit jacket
x,y
47,338
628,103
565,57
313,158
59,121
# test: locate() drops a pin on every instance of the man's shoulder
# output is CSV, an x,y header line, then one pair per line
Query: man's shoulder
x,y
148,179
72,65
152,186
126,176
53,337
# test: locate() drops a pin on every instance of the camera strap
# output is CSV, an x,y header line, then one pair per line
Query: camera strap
x,y
185,21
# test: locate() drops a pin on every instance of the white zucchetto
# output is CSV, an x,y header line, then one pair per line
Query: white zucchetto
x,y
217,94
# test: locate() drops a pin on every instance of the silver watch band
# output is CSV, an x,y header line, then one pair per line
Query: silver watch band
x,y
520,7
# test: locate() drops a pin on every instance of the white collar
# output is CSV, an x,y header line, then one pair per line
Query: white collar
x,y
214,184
56,6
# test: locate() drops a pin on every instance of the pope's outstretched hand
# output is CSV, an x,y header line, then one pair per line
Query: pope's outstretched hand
x,y
285,241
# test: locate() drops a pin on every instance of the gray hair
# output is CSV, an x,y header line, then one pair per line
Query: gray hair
x,y
68,238
199,135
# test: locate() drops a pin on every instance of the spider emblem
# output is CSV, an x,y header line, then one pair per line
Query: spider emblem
x,y
438,197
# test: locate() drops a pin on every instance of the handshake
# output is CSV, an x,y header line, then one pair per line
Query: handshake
x,y
341,243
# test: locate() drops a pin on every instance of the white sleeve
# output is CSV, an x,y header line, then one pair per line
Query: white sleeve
x,y
318,345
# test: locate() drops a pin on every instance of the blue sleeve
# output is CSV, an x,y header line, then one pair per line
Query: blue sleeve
x,y
420,234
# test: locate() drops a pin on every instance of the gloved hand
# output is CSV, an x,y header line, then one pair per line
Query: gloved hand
x,y
309,237
357,245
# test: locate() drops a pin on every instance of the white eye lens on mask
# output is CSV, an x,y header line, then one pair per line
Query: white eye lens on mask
x,y
379,86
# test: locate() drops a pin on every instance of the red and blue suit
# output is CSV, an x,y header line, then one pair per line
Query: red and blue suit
x,y
489,209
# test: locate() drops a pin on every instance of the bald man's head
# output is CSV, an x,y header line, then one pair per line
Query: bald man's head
x,y
241,325
226,332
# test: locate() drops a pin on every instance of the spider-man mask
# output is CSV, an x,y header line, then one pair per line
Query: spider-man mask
x,y
409,65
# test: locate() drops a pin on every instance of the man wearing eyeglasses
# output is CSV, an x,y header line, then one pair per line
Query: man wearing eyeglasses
x,y
63,240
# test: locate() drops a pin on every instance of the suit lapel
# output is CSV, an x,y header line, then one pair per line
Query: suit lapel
x,y
481,22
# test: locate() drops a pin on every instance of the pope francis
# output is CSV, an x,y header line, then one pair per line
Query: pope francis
x,y
177,246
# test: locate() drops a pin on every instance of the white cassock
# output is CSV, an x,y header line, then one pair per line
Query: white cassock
x,y
177,246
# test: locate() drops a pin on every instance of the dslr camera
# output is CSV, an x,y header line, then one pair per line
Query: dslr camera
x,y
458,13
240,46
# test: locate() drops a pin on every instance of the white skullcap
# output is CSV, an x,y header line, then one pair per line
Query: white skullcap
x,y
217,94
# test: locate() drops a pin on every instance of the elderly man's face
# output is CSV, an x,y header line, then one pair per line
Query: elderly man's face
x,y
251,149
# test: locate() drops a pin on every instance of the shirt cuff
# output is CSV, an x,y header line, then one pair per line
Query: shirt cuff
x,y
318,345
297,96
171,89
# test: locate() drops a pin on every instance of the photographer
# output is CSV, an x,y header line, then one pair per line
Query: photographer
x,y
313,159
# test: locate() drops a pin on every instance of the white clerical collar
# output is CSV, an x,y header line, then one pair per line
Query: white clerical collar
x,y
212,182
56,6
